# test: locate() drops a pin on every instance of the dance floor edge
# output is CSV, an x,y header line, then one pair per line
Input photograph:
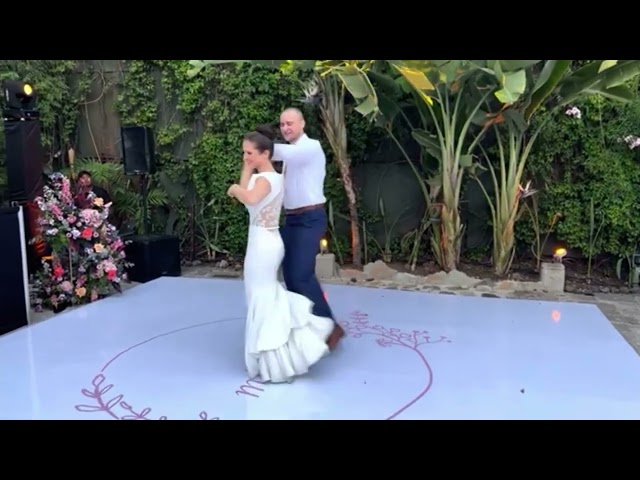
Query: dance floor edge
x,y
173,349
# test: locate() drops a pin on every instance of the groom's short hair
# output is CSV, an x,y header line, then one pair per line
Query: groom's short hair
x,y
296,110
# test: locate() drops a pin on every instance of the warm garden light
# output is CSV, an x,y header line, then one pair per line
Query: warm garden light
x,y
324,244
559,254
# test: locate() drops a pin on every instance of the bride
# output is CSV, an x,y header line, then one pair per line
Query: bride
x,y
282,338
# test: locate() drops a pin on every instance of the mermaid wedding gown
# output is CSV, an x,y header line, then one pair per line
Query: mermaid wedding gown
x,y
283,338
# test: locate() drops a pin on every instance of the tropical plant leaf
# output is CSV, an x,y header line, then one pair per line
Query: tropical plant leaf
x,y
587,79
552,74
515,65
607,64
429,142
620,93
513,86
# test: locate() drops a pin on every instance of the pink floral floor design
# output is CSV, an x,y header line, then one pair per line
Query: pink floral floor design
x,y
356,327
116,407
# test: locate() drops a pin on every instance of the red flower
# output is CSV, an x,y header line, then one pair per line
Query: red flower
x,y
87,233
58,271
111,274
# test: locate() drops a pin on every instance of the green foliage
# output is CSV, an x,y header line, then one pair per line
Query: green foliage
x,y
221,105
200,121
61,91
584,159
127,211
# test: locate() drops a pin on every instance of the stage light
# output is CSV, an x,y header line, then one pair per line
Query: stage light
x,y
19,96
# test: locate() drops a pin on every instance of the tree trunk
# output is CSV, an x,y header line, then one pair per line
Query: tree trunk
x,y
345,173
334,126
446,238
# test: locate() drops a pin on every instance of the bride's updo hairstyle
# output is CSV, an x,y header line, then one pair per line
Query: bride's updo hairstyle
x,y
262,138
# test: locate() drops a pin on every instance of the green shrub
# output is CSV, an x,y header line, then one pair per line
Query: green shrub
x,y
578,160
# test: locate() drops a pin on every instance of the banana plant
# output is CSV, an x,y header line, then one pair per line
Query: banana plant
x,y
515,78
328,94
448,95
556,85
553,87
450,145
508,192
520,89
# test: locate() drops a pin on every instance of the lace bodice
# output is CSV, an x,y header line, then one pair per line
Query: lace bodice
x,y
266,214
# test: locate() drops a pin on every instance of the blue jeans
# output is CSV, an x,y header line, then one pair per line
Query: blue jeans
x,y
301,235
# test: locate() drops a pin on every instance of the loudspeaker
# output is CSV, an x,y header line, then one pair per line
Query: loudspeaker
x,y
138,150
25,160
15,306
153,256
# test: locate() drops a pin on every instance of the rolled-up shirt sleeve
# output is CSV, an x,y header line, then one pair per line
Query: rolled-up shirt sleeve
x,y
295,154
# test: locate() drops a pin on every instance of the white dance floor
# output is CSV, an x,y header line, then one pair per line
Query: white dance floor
x,y
173,349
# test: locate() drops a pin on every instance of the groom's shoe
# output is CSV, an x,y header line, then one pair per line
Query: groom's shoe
x,y
335,337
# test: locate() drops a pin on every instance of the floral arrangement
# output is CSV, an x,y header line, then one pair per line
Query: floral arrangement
x,y
88,260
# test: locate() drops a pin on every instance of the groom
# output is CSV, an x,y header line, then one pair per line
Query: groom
x,y
306,219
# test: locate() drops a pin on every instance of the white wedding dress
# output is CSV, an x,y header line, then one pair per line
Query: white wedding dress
x,y
283,338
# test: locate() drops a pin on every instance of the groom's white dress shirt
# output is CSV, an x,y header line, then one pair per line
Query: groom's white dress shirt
x,y
305,170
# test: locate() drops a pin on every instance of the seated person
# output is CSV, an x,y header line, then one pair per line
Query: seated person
x,y
85,186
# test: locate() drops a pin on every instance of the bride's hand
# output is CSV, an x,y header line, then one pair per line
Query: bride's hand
x,y
232,189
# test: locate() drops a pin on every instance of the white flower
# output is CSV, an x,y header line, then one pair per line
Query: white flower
x,y
632,141
574,112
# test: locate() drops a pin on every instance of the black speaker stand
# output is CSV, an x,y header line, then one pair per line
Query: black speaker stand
x,y
144,191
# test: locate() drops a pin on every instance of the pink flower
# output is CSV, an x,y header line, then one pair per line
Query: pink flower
x,y
56,211
91,217
64,223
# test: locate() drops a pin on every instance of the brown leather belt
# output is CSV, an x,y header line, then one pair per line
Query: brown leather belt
x,y
308,208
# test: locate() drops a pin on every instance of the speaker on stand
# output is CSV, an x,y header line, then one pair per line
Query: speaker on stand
x,y
25,159
153,256
15,306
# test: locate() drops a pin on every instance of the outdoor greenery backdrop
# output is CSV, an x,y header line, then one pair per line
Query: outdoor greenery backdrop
x,y
199,123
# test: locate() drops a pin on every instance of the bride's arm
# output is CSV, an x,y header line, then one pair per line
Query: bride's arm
x,y
245,176
260,190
